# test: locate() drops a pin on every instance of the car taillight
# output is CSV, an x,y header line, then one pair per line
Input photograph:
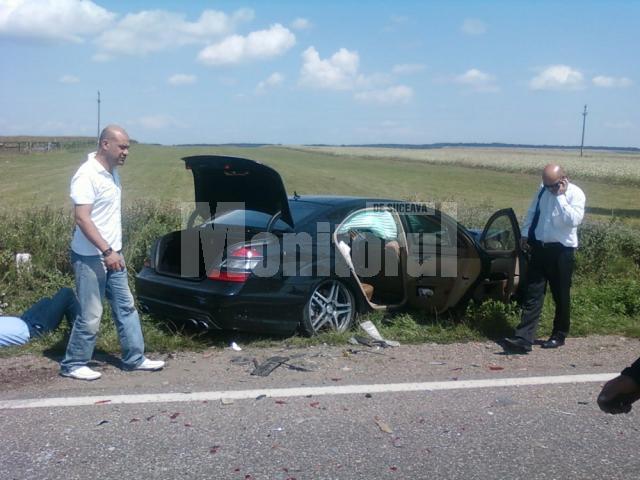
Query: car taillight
x,y
237,266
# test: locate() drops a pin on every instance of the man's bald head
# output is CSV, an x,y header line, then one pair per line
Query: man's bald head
x,y
112,131
552,174
113,147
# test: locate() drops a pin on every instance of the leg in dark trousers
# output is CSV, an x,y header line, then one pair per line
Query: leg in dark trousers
x,y
534,296
560,284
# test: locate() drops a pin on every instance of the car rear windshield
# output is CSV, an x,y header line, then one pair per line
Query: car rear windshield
x,y
300,211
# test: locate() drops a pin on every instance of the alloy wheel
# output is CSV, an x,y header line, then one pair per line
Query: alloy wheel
x,y
331,307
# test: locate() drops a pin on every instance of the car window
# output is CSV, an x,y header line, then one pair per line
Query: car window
x,y
301,210
429,230
251,218
380,223
500,235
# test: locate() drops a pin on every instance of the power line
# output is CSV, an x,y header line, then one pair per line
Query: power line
x,y
98,135
584,120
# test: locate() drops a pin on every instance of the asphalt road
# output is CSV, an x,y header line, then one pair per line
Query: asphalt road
x,y
543,431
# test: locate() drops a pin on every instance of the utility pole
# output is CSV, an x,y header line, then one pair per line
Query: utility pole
x,y
584,119
98,136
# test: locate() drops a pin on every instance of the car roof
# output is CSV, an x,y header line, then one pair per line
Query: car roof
x,y
338,200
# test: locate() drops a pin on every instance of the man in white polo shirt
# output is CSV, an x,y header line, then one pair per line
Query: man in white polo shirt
x,y
99,267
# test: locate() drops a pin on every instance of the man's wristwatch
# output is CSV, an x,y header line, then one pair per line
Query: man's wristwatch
x,y
107,252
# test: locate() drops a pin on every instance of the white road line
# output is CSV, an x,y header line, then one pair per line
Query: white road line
x,y
300,391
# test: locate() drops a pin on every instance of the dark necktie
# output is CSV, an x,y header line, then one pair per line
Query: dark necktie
x,y
531,235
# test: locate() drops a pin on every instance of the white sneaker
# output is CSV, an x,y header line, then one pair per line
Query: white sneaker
x,y
150,365
82,373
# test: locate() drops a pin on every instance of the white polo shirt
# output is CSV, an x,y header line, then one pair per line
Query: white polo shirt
x,y
93,185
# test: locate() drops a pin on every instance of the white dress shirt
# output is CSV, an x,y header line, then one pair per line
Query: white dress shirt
x,y
560,216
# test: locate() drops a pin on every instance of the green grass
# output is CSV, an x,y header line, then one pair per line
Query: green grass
x,y
156,173
36,218
619,167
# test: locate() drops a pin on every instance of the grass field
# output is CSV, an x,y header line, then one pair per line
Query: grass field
x,y
35,214
156,173
613,166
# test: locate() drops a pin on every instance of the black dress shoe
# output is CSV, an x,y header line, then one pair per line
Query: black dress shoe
x,y
554,342
516,345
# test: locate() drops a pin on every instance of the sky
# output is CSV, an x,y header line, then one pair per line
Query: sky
x,y
332,72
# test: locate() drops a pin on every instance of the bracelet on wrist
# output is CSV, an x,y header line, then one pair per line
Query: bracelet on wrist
x,y
107,252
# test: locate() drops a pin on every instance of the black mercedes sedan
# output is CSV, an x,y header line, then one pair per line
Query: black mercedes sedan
x,y
252,258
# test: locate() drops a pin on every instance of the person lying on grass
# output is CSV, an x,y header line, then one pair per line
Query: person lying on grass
x,y
43,317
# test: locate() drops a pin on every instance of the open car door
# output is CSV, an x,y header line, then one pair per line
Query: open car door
x,y
372,242
500,241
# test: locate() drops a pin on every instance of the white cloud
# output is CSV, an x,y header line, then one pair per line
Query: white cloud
x,y
336,73
181,79
68,79
258,45
611,82
477,80
340,72
52,20
300,24
389,96
408,68
156,122
101,57
473,26
274,80
396,22
157,30
624,125
372,82
557,77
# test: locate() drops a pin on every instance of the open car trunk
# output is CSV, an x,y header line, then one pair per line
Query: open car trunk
x,y
236,199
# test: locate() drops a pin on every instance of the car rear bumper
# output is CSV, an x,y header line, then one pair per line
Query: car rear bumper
x,y
222,305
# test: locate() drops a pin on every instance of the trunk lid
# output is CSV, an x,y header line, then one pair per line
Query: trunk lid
x,y
219,180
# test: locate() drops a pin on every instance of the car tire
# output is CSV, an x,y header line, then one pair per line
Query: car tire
x,y
331,307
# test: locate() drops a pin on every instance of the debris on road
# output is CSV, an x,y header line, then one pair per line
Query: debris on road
x,y
373,332
269,365
354,351
226,401
235,347
382,425
358,340
241,360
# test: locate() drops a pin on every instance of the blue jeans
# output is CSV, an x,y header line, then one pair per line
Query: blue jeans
x,y
93,283
46,314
